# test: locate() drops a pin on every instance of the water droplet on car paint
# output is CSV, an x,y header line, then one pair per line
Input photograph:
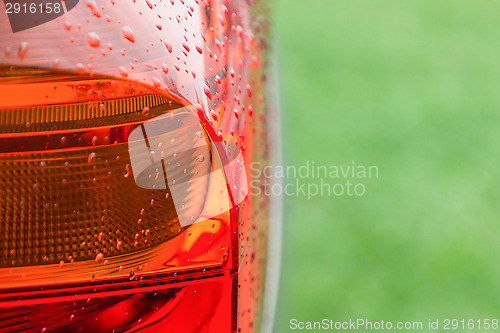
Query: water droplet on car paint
x,y
128,33
93,39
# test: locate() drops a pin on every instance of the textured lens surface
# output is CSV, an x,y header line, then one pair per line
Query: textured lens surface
x,y
67,205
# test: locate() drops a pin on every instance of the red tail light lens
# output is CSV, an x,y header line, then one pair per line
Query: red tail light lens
x,y
83,217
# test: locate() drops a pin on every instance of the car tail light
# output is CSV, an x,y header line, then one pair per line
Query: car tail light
x,y
84,217
121,175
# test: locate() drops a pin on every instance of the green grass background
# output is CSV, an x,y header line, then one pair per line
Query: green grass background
x,y
413,87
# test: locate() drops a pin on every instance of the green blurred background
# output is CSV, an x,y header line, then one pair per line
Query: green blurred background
x,y
413,87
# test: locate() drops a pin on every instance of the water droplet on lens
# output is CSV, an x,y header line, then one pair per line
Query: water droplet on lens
x,y
80,68
128,33
214,115
123,71
22,50
91,157
93,39
127,171
93,8
168,46
99,257
164,67
156,82
207,91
